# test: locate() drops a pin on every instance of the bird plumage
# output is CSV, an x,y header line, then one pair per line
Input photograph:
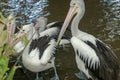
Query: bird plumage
x,y
94,58
98,59
39,54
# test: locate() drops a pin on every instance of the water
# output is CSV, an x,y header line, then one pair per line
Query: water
x,y
101,19
26,11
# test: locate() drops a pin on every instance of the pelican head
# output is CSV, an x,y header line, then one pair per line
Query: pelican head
x,y
77,9
41,23
27,30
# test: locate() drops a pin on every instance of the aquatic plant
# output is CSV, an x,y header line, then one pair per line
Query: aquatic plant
x,y
7,40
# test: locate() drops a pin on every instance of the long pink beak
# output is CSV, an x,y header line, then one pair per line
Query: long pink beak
x,y
70,14
10,29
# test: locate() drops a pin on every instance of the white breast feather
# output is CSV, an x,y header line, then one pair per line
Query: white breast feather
x,y
86,52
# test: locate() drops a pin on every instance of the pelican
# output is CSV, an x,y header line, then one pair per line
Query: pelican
x,y
95,60
39,54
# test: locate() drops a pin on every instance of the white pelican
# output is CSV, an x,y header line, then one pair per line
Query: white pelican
x,y
39,54
94,59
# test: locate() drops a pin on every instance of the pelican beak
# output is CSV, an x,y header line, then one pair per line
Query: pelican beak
x,y
72,11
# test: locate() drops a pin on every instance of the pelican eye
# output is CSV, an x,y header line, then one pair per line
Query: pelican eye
x,y
74,4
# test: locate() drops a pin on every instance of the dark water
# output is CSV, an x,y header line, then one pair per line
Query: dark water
x,y
102,19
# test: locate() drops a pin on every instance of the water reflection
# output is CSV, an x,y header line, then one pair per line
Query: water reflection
x,y
25,9
111,10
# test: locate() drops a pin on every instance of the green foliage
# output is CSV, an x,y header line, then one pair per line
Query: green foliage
x,y
3,66
6,48
12,72
2,19
25,40
2,25
3,38
7,41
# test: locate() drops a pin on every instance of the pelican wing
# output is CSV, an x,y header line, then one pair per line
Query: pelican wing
x,y
101,71
111,71
50,32
86,53
49,52
52,29
54,24
106,52
108,61
41,44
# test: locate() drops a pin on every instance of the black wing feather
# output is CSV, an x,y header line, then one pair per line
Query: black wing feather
x,y
40,43
108,69
110,58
